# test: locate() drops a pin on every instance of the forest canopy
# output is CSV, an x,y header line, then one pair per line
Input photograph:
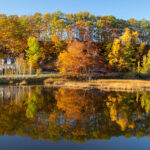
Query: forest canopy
x,y
124,44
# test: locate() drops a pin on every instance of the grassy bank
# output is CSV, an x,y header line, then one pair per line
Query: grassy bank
x,y
102,84
56,80
26,79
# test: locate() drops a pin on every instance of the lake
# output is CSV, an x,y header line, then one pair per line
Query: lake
x,y
44,118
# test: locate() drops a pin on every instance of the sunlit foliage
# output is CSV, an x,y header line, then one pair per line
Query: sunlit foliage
x,y
80,58
33,53
122,42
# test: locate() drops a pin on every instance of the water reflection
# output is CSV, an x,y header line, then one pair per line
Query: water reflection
x,y
77,115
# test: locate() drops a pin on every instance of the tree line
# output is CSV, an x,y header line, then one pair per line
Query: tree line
x,y
107,41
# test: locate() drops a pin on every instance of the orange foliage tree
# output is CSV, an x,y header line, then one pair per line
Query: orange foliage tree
x,y
80,58
82,31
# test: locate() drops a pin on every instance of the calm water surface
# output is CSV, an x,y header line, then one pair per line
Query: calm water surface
x,y
43,118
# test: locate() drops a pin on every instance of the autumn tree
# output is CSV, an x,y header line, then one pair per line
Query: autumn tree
x,y
145,63
80,58
12,34
82,31
21,65
121,56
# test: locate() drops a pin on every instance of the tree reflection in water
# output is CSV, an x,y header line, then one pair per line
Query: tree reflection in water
x,y
71,114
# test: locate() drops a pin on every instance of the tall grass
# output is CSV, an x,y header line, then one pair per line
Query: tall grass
x,y
107,84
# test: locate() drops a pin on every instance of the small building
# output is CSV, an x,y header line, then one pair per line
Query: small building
x,y
7,64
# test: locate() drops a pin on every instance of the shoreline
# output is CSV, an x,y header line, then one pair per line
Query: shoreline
x,y
26,79
101,84
57,81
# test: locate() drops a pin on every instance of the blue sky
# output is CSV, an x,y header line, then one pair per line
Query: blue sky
x,y
125,9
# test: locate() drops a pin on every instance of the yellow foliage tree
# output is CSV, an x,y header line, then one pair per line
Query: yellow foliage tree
x,y
121,56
